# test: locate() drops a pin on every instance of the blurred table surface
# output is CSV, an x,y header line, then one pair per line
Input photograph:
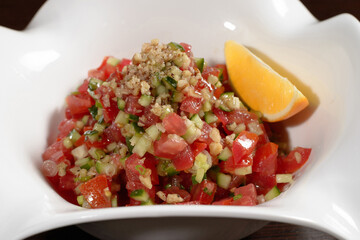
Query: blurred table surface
x,y
17,13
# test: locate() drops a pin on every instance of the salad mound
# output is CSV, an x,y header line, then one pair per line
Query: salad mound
x,y
164,128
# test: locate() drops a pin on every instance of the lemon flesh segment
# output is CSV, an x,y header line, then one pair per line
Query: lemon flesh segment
x,y
260,87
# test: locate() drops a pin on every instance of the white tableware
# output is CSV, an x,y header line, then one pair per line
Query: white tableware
x,y
42,64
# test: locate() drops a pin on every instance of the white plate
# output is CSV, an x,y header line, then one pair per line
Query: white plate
x,y
42,64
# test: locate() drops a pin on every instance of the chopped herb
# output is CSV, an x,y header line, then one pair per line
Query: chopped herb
x,y
137,128
140,169
133,117
128,144
167,186
90,132
93,111
236,197
176,46
206,190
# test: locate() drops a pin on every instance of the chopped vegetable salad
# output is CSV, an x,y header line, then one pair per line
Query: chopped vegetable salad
x,y
164,128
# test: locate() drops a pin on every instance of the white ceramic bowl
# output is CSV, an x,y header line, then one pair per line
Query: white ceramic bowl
x,y
42,64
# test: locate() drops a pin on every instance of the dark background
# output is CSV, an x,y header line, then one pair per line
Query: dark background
x,y
17,14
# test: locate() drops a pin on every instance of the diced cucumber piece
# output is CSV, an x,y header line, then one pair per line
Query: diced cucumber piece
x,y
92,135
85,119
80,152
113,61
227,95
170,82
210,117
133,118
175,46
148,202
225,154
94,83
224,108
67,143
201,165
114,201
98,104
134,139
243,170
100,167
142,146
121,104
192,133
206,106
140,195
197,121
145,100
166,168
137,128
96,153
85,163
283,178
122,118
123,160
153,132
274,192
74,136
200,62
99,127
80,200
155,80
161,89
177,97
223,180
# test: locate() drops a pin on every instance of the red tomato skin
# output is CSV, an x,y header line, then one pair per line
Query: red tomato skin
x,y
78,104
263,183
219,91
93,191
184,160
210,71
265,159
248,193
113,133
84,87
243,146
191,104
174,124
182,193
124,62
149,118
204,192
198,147
225,201
65,127
205,131
224,73
132,105
53,152
167,147
289,164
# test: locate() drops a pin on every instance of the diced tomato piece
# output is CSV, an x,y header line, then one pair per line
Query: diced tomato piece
x,y
210,71
221,115
110,108
78,104
132,105
67,182
174,124
243,146
197,147
95,73
113,133
168,147
84,87
265,159
294,161
204,192
248,195
263,183
182,193
225,76
124,62
183,160
150,163
191,104
241,116
225,201
65,127
205,131
101,143
148,118
94,192
218,91
263,138
201,84
53,152
187,48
